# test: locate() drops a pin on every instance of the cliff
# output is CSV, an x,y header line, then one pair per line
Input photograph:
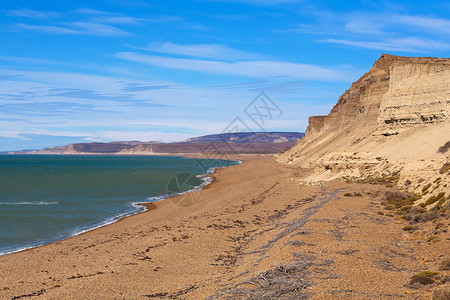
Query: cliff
x,y
394,119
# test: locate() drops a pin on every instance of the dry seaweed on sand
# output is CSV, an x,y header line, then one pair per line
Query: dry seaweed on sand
x,y
281,282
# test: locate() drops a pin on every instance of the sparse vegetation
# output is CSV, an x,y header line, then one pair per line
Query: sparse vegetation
x,y
282,282
441,202
389,207
419,214
426,187
408,228
433,239
356,194
445,168
424,278
444,148
433,199
406,208
394,195
399,200
386,180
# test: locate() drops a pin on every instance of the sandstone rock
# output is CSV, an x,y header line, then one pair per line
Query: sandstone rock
x,y
395,117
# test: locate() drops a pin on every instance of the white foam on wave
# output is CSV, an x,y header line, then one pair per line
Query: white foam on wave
x,y
30,203
108,221
21,249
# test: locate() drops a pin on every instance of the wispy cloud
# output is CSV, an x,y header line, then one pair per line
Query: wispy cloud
x,y
21,141
89,22
131,3
382,23
47,109
95,12
407,44
77,28
428,24
254,68
108,17
8,77
260,2
387,31
214,51
30,13
145,136
139,87
27,60
272,85
77,93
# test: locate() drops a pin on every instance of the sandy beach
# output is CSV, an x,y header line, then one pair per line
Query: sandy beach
x,y
257,231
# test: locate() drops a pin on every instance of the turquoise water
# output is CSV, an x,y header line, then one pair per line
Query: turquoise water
x,y
45,198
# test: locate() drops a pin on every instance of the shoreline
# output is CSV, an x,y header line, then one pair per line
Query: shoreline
x,y
147,206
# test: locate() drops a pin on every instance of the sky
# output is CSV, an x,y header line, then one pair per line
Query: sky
x,y
121,70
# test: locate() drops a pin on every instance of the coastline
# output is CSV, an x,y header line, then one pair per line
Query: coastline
x,y
145,205
256,217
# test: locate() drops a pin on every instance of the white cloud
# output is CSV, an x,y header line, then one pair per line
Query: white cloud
x,y
382,31
145,136
108,17
94,28
215,51
426,23
45,28
90,11
261,2
407,44
11,134
30,13
363,26
76,28
89,22
256,68
27,60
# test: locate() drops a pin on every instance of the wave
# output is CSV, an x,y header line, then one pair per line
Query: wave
x,y
30,203
20,249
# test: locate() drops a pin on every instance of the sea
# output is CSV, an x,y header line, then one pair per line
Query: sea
x,y
46,198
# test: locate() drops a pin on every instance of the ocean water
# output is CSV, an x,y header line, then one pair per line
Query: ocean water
x,y
45,198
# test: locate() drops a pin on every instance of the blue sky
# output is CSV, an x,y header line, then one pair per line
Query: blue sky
x,y
108,70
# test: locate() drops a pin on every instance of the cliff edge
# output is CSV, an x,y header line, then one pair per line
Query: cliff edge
x,y
394,120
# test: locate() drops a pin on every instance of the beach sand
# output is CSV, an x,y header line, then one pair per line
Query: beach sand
x,y
310,240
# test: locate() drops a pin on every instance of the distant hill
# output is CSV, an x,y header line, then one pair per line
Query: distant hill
x,y
249,137
231,143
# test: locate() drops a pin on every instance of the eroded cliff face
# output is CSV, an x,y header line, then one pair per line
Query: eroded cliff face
x,y
393,119
418,94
